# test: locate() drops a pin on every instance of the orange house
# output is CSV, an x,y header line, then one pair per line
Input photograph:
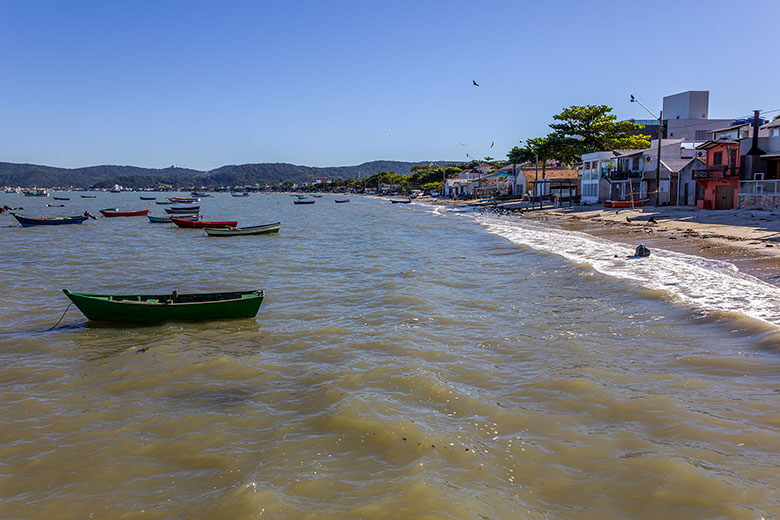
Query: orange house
x,y
720,178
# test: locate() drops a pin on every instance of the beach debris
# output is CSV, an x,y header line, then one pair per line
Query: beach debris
x,y
628,219
475,83
652,220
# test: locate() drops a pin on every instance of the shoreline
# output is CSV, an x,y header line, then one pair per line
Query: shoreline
x,y
749,239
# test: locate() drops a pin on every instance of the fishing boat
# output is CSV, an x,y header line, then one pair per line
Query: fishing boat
x,y
167,219
304,201
182,200
147,198
56,221
317,196
182,209
35,193
88,196
150,308
341,201
200,194
245,194
61,198
401,201
236,231
188,223
114,212
625,203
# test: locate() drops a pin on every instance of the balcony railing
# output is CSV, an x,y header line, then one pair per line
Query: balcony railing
x,y
722,171
770,188
623,175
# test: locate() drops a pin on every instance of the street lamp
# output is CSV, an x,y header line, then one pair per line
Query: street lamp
x,y
658,157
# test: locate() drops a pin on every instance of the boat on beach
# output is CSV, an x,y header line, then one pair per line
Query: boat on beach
x,y
186,223
400,201
150,308
56,221
236,231
625,203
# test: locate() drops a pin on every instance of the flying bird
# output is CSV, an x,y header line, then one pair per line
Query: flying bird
x,y
475,83
492,143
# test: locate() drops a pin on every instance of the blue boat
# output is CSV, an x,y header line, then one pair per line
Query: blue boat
x,y
57,221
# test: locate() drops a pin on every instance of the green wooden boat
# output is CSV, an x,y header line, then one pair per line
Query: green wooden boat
x,y
149,308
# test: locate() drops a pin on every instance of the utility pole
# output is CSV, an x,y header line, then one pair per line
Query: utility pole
x,y
658,159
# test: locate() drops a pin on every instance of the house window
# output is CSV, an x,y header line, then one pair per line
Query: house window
x,y
717,158
635,163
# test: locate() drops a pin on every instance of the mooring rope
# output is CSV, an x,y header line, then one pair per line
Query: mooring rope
x,y
63,315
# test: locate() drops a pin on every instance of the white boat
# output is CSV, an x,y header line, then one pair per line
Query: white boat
x,y
237,231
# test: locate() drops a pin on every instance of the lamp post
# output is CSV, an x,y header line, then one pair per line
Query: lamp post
x,y
658,157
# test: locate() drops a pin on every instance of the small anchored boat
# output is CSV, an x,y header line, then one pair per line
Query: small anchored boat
x,y
236,231
182,209
185,223
147,198
304,201
400,201
182,200
341,201
43,221
114,212
244,194
150,308
61,198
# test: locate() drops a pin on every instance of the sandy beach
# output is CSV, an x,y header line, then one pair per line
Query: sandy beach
x,y
750,239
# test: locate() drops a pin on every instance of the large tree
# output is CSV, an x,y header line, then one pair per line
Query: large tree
x,y
592,128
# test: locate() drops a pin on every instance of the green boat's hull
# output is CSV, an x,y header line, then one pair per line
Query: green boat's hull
x,y
167,307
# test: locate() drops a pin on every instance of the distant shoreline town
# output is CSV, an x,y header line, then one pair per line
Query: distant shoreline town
x,y
589,158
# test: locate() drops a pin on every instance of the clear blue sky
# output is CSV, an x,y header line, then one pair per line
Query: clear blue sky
x,y
202,84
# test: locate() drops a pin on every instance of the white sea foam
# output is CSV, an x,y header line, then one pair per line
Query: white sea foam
x,y
707,285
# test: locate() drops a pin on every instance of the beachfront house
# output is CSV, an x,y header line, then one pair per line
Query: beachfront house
x,y
759,187
466,183
594,175
634,178
719,179
740,171
555,180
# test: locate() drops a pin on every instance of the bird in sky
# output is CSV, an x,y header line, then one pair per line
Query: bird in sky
x,y
475,83
492,143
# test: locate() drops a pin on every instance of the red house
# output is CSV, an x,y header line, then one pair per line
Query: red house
x,y
720,178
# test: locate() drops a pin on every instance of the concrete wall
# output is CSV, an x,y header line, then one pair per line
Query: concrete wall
x,y
759,202
687,129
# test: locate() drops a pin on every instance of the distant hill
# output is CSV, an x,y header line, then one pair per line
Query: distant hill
x,y
29,175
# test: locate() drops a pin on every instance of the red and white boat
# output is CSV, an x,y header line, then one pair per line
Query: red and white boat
x,y
114,212
625,203
184,223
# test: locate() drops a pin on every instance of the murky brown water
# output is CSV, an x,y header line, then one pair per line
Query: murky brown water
x,y
405,364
